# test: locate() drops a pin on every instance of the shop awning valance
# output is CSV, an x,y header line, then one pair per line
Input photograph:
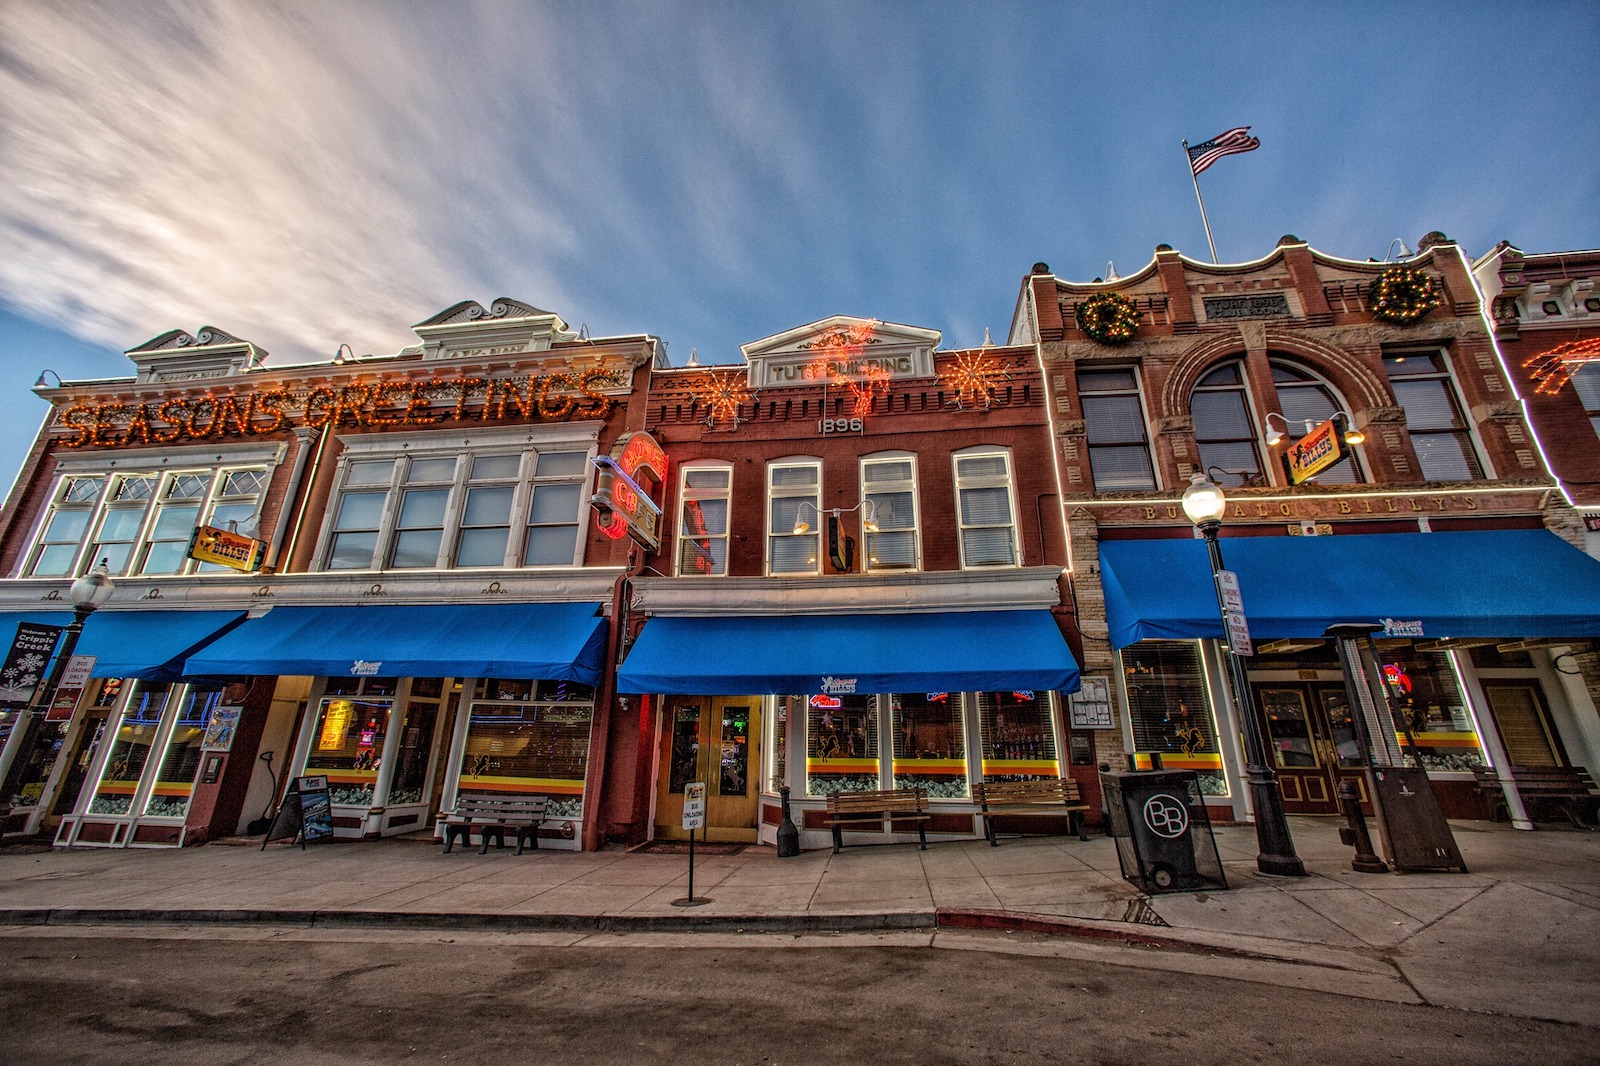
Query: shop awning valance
x,y
979,651
1495,583
146,645
553,641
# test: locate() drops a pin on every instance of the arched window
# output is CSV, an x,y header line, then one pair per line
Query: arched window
x,y
1307,400
1224,428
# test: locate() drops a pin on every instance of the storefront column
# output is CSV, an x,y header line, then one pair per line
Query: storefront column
x,y
1225,716
1488,734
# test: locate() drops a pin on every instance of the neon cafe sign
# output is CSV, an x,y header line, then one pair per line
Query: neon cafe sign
x,y
622,505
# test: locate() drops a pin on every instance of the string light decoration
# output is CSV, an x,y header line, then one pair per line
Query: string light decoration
x,y
974,376
1108,318
723,393
838,361
1402,295
862,392
1553,369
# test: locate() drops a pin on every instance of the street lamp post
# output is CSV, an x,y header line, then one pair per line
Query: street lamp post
x,y
1205,505
88,594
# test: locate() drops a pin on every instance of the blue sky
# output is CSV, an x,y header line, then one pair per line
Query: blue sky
x,y
310,174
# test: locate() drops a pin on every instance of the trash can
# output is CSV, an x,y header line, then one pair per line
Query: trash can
x,y
1158,819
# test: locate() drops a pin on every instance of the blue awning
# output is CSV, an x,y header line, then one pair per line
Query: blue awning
x,y
989,651
146,645
551,641
1495,583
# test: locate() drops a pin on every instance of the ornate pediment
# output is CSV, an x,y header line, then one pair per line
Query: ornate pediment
x,y
208,352
841,348
505,327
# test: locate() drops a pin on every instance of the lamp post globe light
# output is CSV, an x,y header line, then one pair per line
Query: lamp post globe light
x,y
89,593
1205,505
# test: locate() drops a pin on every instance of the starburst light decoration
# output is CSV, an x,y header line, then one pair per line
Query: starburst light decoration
x,y
974,376
723,394
1553,369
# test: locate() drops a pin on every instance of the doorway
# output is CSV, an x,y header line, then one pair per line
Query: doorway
x,y
714,739
1519,711
1312,742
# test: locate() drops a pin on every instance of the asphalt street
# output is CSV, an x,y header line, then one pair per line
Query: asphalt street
x,y
270,994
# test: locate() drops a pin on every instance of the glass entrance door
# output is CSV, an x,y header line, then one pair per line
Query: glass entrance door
x,y
1312,742
714,740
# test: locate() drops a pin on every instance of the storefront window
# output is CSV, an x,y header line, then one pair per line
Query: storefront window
x,y
529,737
1018,741
685,746
1429,710
1168,710
930,749
347,741
181,764
129,751
842,744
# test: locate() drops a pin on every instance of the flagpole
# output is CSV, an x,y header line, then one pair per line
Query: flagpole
x,y
1204,220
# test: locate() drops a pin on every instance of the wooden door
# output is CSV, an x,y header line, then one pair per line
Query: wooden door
x,y
1518,708
711,739
1311,742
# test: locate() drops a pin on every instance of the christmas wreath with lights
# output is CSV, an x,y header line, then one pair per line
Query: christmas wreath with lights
x,y
1108,318
1402,295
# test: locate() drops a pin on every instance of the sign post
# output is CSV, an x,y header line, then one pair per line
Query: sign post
x,y
1233,613
694,817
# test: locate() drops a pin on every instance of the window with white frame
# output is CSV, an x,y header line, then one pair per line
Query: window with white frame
x,y
889,501
1114,422
1440,433
140,521
1586,383
703,493
985,508
794,491
495,499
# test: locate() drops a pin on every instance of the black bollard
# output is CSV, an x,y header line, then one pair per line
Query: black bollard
x,y
1355,832
788,834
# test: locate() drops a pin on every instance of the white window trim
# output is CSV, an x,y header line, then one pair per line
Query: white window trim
x,y
1479,452
916,509
162,465
816,522
1011,495
684,470
1266,462
525,440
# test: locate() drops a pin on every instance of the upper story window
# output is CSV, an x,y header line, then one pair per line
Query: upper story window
x,y
1119,447
790,484
1440,434
1306,400
703,492
986,508
140,521
889,499
492,500
1586,382
1224,428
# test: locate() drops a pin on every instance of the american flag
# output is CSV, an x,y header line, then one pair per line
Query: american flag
x,y
1234,141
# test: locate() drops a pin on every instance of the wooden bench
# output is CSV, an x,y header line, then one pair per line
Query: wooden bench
x,y
1051,798
491,816
895,804
1568,789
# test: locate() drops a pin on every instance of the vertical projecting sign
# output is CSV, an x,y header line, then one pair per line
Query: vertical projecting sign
x,y
622,505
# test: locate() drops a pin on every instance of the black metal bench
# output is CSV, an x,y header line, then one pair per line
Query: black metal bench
x,y
491,816
1050,797
866,807
1568,789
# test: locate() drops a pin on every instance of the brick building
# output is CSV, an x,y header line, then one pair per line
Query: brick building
x,y
1421,505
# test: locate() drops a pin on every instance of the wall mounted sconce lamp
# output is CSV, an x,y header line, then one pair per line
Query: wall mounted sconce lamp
x,y
1341,419
841,549
44,383
340,357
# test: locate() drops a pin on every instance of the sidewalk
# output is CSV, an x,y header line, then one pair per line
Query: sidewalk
x,y
1519,934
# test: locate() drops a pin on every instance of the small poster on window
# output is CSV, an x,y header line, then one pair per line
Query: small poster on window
x,y
1091,705
221,729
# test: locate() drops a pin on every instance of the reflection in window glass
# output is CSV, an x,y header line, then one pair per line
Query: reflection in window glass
x,y
841,744
1167,704
685,747
1018,740
347,746
733,757
175,781
703,521
1119,449
983,504
416,744
553,525
130,749
529,738
1428,707
930,748
1438,430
